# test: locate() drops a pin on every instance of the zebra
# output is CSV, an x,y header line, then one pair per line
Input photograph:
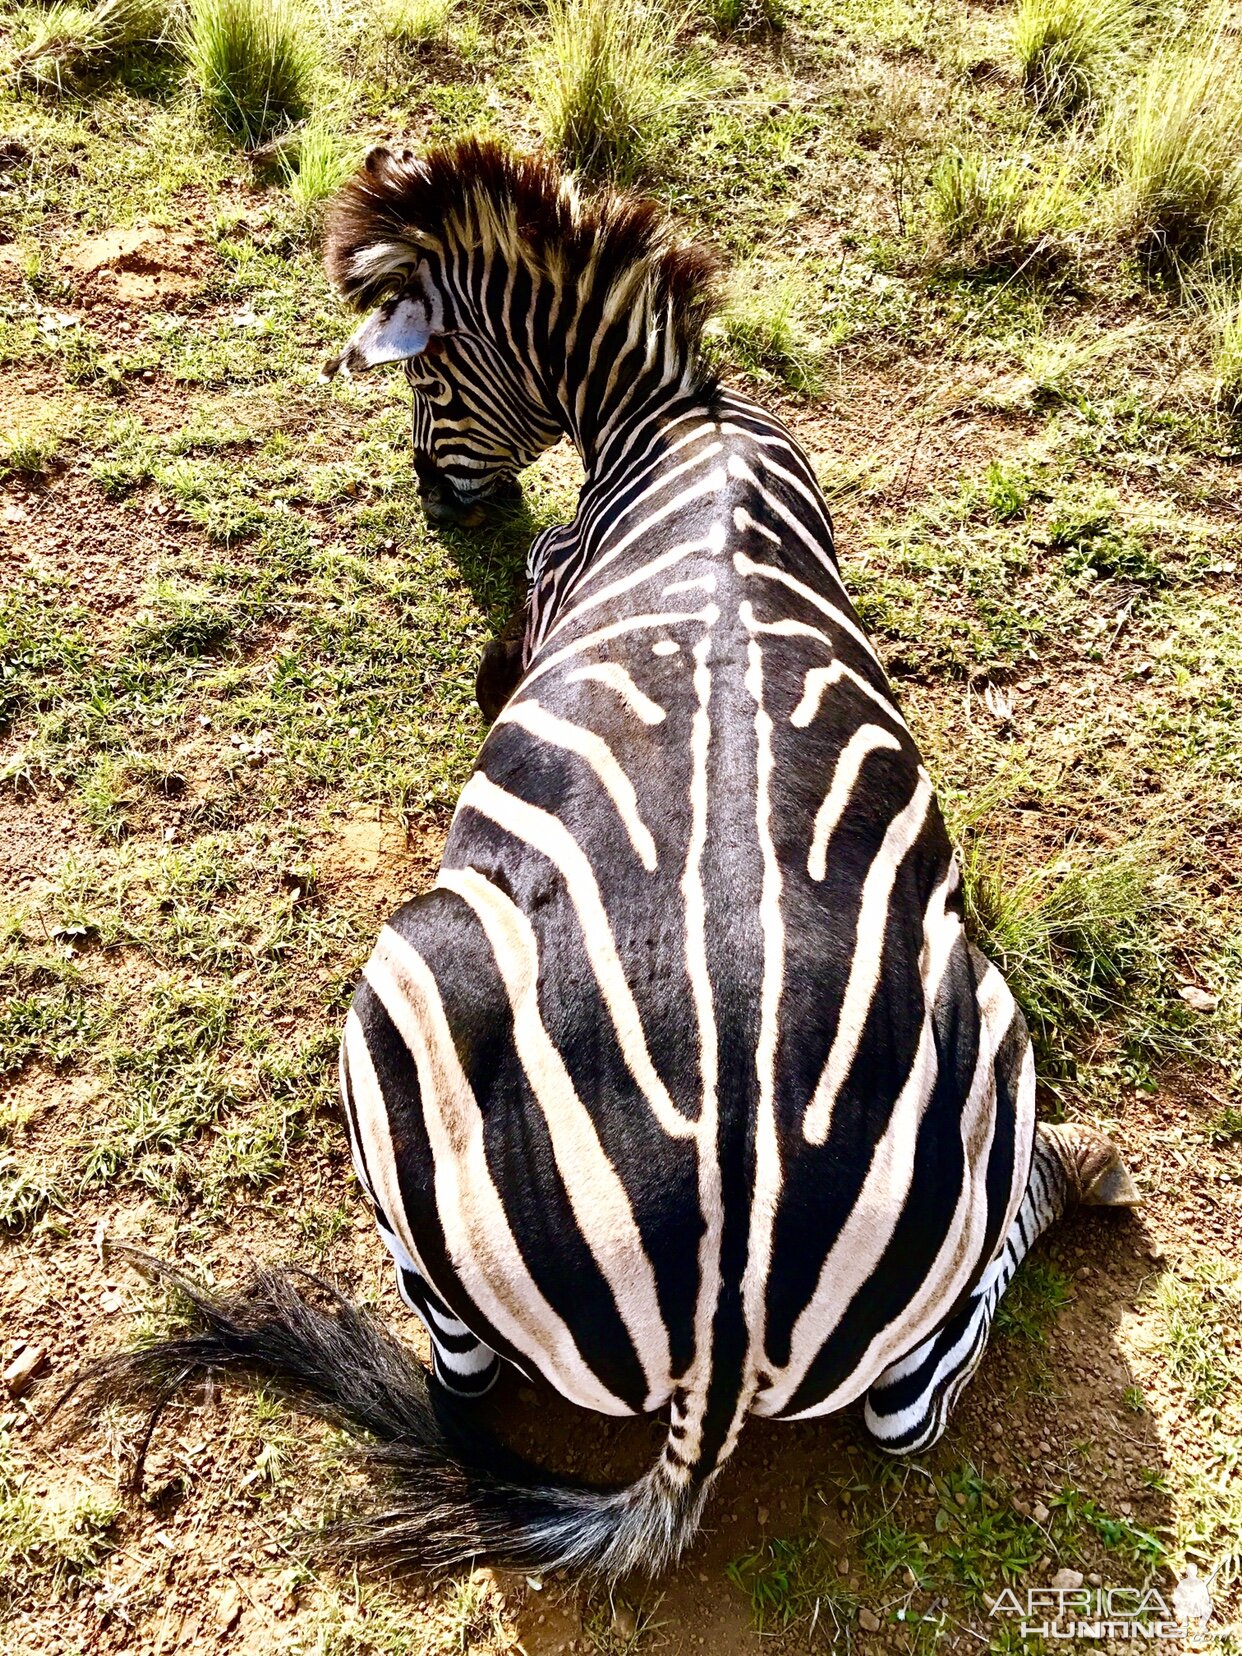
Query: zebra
x,y
683,1087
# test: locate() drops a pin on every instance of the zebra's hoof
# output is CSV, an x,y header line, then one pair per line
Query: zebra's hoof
x,y
1111,1185
1098,1176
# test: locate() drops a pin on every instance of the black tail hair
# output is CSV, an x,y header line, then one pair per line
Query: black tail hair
x,y
460,1496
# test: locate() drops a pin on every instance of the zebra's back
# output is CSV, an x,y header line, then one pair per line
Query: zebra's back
x,y
685,1076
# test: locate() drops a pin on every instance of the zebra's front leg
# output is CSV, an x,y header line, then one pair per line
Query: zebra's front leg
x,y
908,1406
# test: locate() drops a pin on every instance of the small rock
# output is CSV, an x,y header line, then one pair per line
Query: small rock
x,y
26,1367
228,1608
868,1620
843,1566
762,1515
1044,1448
1198,1000
1095,1579
1067,1579
110,1301
624,1622
1040,1513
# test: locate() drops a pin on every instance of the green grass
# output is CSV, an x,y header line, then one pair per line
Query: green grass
x,y
418,22
1224,309
1198,1317
70,44
767,324
1030,449
947,1536
48,1545
1074,939
747,17
29,451
323,159
1030,1304
999,215
253,62
787,1582
612,82
1065,47
26,1192
1176,140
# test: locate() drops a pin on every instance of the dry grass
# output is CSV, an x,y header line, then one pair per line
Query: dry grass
x,y
1177,143
1066,47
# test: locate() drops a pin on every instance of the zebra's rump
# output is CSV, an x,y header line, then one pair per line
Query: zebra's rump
x,y
841,1159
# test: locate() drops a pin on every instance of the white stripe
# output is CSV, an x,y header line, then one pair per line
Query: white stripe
x,y
647,572
740,470
861,1242
710,1204
546,834
576,739
748,566
614,677
477,1236
820,679
378,1169
867,739
709,485
767,1184
707,582
742,520
616,629
860,988
600,1203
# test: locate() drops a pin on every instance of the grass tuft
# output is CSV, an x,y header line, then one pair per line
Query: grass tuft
x,y
1069,938
48,1545
747,17
997,215
766,325
611,85
1224,310
322,161
253,63
28,451
1177,144
1065,46
72,43
417,22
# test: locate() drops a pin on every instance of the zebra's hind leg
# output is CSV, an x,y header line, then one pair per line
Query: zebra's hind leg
x,y
459,1360
908,1406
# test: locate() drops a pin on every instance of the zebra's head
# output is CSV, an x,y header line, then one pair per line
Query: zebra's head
x,y
475,268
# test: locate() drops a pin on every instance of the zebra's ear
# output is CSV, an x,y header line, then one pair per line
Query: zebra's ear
x,y
395,332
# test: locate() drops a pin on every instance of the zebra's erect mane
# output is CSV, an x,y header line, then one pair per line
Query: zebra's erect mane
x,y
452,197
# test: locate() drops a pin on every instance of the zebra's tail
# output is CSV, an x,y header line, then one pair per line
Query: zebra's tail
x,y
457,1496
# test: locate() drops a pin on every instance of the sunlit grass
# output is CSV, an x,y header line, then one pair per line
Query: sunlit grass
x,y
1064,47
253,62
612,82
993,213
1176,141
